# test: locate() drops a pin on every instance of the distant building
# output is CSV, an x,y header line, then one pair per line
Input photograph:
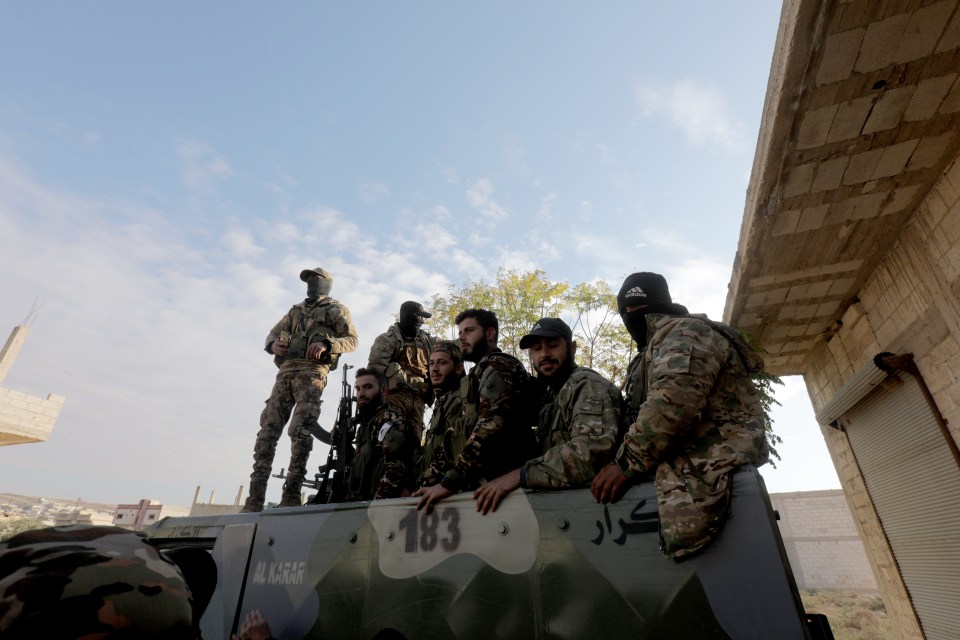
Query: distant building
x,y
211,509
822,541
143,514
81,516
24,418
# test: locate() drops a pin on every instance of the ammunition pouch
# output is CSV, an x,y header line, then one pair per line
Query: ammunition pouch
x,y
393,439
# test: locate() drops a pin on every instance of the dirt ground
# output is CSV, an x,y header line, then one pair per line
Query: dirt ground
x,y
852,616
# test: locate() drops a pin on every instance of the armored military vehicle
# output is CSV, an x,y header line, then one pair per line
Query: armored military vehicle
x,y
544,565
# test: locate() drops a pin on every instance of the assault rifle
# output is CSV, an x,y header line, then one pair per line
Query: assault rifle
x,y
331,481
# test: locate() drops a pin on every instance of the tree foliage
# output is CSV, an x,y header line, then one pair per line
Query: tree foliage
x,y
520,298
11,525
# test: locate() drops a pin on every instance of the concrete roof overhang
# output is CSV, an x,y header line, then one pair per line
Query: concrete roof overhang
x,y
860,120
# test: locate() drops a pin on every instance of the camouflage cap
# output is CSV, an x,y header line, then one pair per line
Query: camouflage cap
x,y
80,581
319,271
448,346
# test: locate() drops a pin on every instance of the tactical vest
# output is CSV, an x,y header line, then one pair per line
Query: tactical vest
x,y
310,328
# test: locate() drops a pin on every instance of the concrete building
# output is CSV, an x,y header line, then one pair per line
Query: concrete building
x,y
211,508
822,541
848,273
143,514
24,418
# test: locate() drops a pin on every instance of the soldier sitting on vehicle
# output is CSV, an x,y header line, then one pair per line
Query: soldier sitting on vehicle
x,y
578,423
696,414
494,395
384,464
448,430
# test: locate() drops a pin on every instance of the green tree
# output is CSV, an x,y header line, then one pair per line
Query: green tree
x,y
11,525
603,343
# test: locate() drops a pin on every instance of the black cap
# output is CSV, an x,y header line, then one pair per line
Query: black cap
x,y
415,307
547,328
643,288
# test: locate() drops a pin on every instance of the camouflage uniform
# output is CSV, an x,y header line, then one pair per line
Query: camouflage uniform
x,y
298,387
90,582
696,417
385,460
495,414
404,361
577,432
446,436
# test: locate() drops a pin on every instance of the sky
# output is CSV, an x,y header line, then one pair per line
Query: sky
x,y
167,169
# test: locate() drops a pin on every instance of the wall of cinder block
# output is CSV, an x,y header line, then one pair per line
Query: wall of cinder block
x,y
822,541
910,304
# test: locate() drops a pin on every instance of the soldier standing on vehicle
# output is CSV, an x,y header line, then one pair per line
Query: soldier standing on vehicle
x,y
579,419
401,353
696,414
306,343
384,464
448,429
494,396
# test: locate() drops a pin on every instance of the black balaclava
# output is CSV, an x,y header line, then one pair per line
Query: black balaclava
x,y
316,287
650,291
410,323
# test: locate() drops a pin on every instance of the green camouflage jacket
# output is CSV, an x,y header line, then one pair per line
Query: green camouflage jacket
x,y
86,581
326,319
577,432
384,462
410,357
696,417
501,440
445,437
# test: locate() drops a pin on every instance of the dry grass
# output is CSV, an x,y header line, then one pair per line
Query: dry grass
x,y
852,616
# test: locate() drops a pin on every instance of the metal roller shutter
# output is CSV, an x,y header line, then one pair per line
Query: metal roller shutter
x,y
914,483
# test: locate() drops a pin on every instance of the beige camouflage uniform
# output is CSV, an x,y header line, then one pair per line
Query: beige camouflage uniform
x,y
384,463
404,361
446,436
577,432
495,413
297,389
696,418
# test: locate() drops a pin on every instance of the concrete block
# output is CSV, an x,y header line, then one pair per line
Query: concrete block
x,y
928,96
799,180
900,199
820,289
827,308
829,174
812,217
776,296
930,151
880,42
755,300
867,205
888,110
923,31
894,159
951,102
815,127
785,222
850,118
841,286
839,54
951,35
786,313
861,166
839,212
950,228
952,178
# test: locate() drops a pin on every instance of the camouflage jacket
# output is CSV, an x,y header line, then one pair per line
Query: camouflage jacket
x,y
403,360
86,581
696,417
445,437
577,432
501,440
324,320
385,457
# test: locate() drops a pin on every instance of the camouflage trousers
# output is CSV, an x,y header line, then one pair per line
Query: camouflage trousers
x,y
410,405
297,393
693,505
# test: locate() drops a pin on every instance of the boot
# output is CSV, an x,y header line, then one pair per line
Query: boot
x,y
291,494
258,493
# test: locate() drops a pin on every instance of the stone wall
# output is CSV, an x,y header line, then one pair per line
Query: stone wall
x,y
911,304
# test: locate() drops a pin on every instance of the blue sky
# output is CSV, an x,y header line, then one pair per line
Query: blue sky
x,y
167,169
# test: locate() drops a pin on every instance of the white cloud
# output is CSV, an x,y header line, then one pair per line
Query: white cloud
x,y
700,112
450,175
241,243
545,212
373,191
200,166
480,196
